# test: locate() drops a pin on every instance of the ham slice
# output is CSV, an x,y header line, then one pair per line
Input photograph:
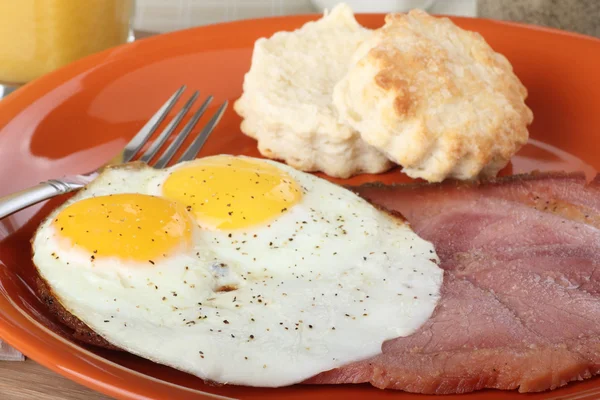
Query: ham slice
x,y
520,306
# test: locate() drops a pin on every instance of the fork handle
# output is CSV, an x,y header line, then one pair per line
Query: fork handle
x,y
46,190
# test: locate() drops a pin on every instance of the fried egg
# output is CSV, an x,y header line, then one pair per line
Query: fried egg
x,y
235,269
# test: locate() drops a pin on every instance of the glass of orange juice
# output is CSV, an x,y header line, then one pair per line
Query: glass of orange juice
x,y
38,36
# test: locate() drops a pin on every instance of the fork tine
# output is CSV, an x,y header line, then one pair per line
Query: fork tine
x,y
194,148
174,146
136,143
153,149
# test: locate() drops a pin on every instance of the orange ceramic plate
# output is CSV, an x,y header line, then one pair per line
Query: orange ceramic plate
x,y
78,117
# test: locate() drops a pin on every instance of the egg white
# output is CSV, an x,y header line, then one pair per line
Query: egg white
x,y
323,285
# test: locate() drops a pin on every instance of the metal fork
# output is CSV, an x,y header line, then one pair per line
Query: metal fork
x,y
55,187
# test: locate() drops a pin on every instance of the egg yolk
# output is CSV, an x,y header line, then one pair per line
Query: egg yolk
x,y
226,192
128,226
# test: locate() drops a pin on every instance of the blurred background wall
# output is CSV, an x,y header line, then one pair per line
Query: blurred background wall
x,y
166,15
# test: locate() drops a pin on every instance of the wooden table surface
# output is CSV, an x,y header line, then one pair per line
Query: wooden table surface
x,y
27,380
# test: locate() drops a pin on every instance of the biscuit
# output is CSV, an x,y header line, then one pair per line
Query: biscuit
x,y
287,100
436,99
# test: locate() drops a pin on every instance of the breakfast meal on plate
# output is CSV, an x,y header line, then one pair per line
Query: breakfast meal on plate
x,y
287,101
234,269
248,271
430,96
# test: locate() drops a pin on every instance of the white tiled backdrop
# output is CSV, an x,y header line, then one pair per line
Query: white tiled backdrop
x,y
169,15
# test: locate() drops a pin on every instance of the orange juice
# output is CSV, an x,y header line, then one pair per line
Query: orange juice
x,y
38,36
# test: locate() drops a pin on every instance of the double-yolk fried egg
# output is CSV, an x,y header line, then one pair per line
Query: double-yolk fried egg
x,y
237,270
